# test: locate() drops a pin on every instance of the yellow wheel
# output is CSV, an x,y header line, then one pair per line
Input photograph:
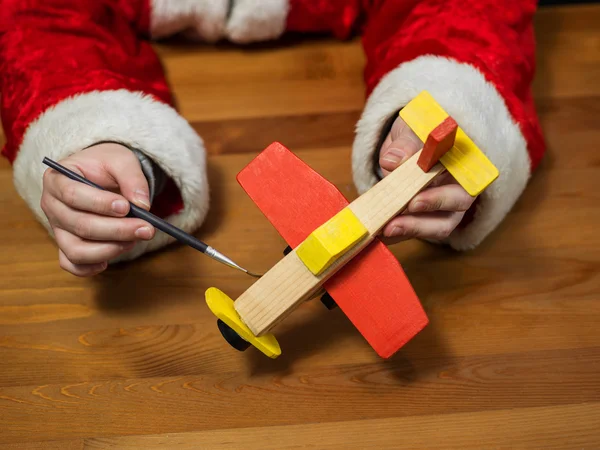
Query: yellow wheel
x,y
222,307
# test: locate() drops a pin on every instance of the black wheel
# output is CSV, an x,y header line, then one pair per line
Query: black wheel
x,y
328,301
287,250
232,337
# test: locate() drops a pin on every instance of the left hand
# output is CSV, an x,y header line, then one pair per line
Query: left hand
x,y
435,212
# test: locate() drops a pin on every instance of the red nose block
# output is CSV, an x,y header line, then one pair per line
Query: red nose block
x,y
439,141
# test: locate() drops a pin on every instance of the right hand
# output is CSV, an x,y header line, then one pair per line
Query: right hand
x,y
89,225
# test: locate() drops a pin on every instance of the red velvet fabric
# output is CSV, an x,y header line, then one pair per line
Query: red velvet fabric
x,y
495,37
51,50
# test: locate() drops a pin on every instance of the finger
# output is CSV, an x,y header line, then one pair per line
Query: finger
x,y
131,180
450,197
401,128
98,228
86,198
396,153
436,226
80,270
443,179
403,145
386,142
82,252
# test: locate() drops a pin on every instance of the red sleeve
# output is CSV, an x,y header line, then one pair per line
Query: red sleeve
x,y
77,72
475,58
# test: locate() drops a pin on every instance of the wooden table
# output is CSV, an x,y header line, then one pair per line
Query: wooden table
x,y
133,359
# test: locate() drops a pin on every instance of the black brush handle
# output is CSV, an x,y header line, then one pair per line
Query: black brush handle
x,y
136,211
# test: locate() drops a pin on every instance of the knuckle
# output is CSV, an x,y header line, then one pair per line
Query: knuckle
x,y
466,202
83,228
120,231
44,203
99,204
74,255
64,264
46,177
130,157
70,194
444,231
437,204
411,228
126,160
124,231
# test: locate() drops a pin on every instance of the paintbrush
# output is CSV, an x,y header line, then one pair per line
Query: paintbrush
x,y
162,225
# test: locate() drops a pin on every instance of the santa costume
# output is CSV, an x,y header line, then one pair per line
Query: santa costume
x,y
74,73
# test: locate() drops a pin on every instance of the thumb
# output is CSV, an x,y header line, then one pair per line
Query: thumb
x,y
403,144
127,172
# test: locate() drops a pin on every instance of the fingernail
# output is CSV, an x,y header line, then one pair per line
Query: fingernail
x,y
396,231
143,198
418,207
120,206
143,233
394,156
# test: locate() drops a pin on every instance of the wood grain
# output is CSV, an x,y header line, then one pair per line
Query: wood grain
x,y
77,444
133,359
527,428
381,389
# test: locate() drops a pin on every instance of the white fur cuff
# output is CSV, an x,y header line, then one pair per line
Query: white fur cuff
x,y
136,120
257,20
477,107
241,21
201,19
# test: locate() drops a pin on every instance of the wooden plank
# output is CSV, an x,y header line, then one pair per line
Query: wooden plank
x,y
547,427
250,100
229,82
567,56
47,445
390,388
468,317
318,131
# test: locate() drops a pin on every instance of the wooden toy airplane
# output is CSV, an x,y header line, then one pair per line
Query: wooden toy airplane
x,y
333,245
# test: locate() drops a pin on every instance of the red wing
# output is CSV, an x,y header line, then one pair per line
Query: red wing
x,y
374,292
372,289
294,197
